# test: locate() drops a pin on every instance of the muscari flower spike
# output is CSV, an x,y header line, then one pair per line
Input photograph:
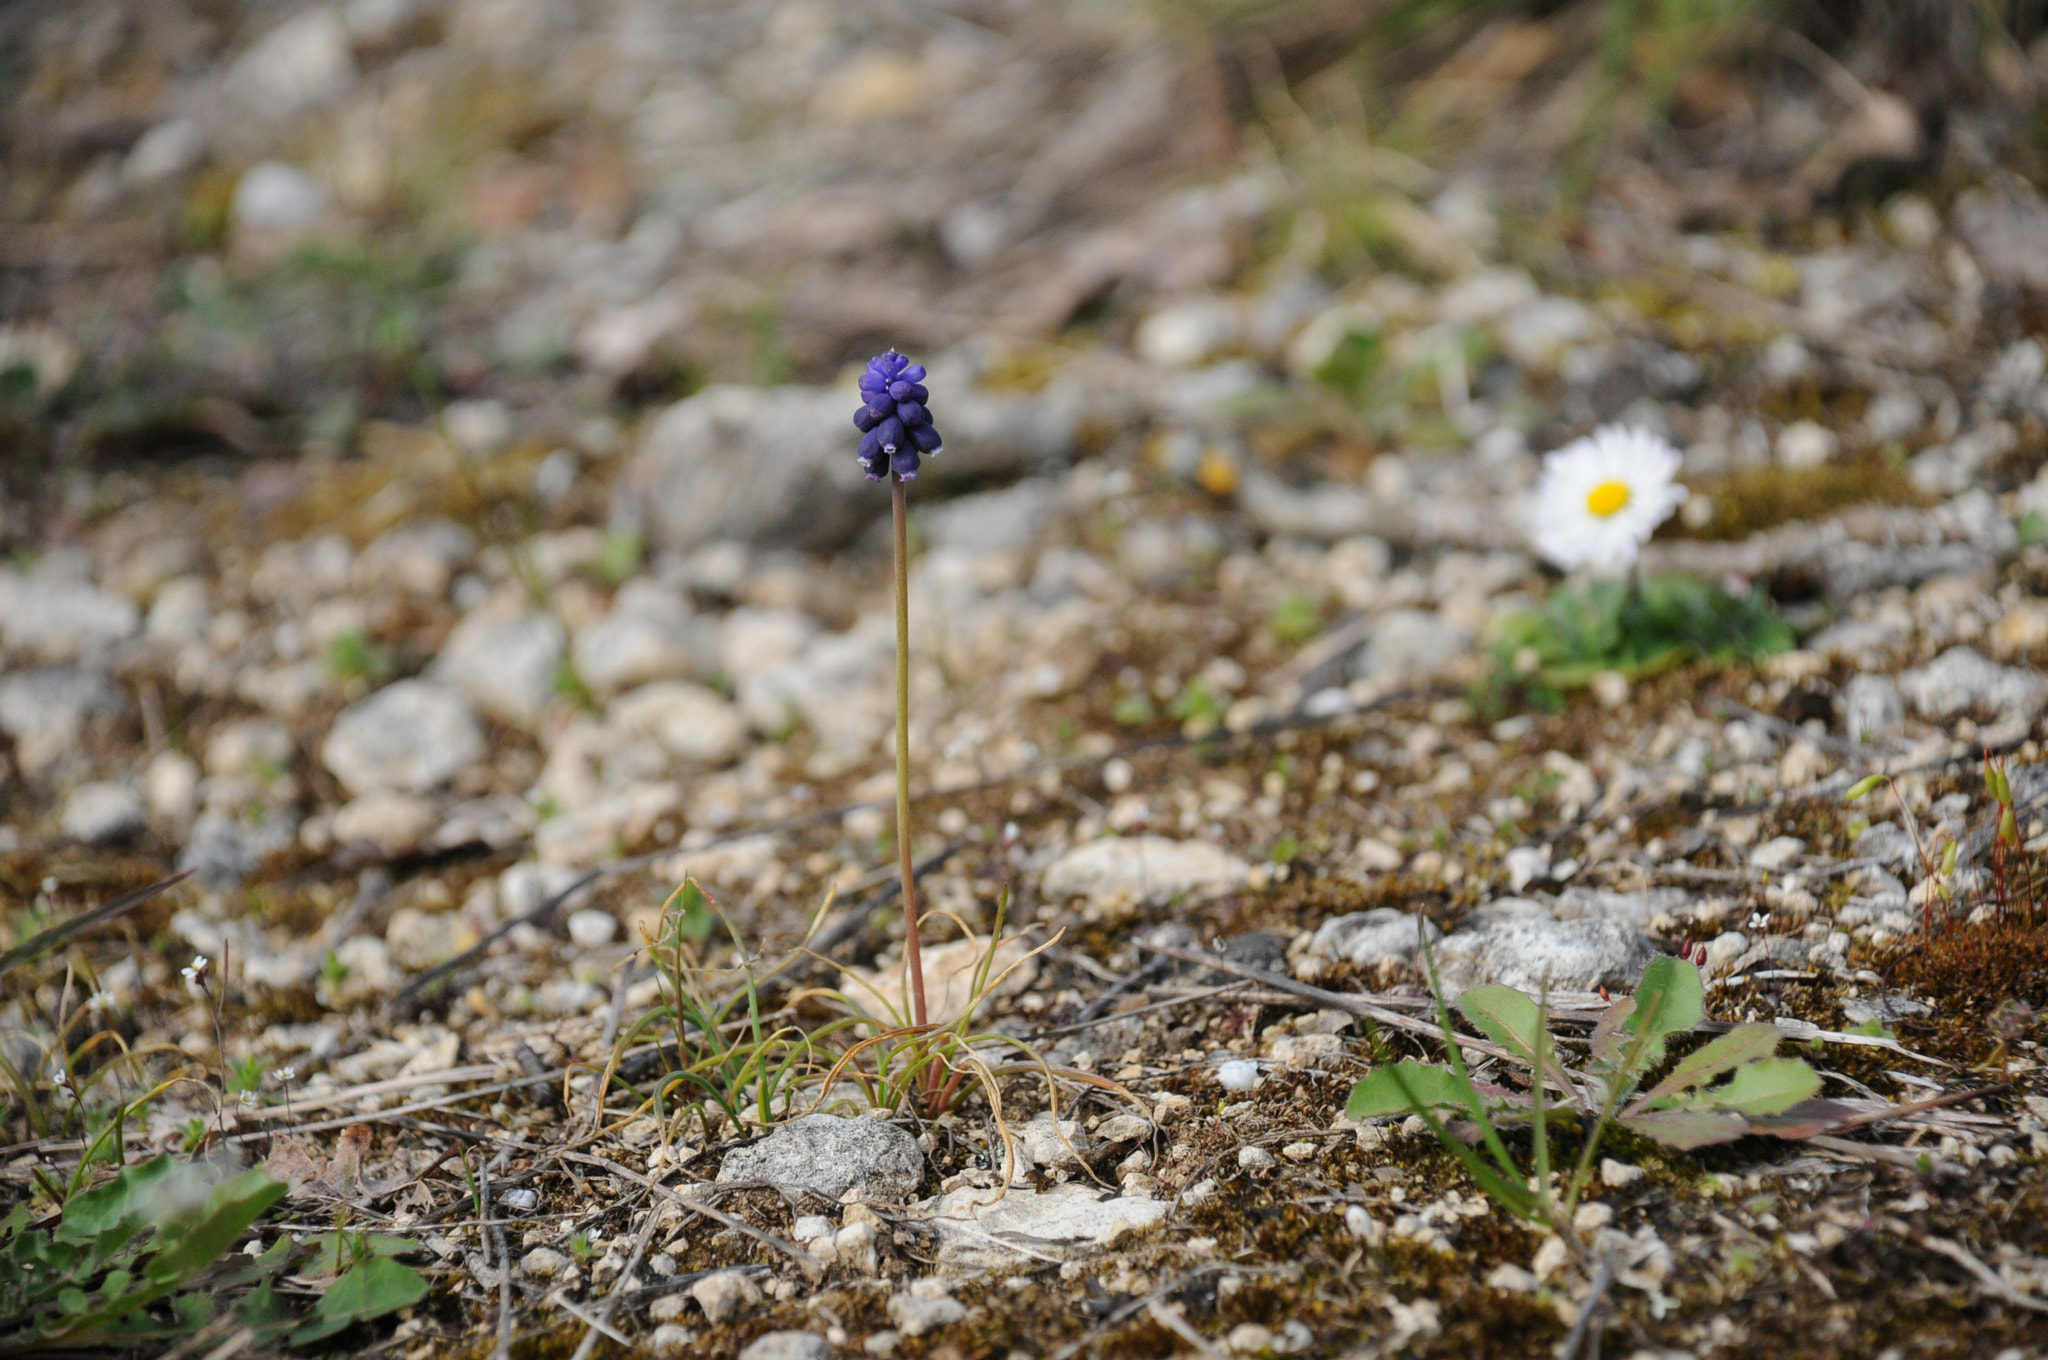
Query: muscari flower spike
x,y
893,418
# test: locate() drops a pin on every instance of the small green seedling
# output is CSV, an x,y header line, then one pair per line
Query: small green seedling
x,y
1730,1087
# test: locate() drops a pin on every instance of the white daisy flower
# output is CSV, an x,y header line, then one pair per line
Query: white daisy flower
x,y
1601,497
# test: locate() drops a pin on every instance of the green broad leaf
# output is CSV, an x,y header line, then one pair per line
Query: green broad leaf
x,y
1670,999
226,1215
1685,1129
1506,1016
371,1289
335,1251
1743,1044
1406,1088
1767,1087
122,1203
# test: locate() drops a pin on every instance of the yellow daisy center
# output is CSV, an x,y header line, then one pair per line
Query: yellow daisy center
x,y
1608,498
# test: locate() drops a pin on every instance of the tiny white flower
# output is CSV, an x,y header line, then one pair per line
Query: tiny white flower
x,y
1239,1074
287,1075
59,1077
1759,920
100,1001
1600,498
246,1099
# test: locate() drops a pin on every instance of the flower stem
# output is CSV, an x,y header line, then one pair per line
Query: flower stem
x,y
915,964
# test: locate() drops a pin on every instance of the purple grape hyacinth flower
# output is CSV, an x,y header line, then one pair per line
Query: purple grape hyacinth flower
x,y
893,418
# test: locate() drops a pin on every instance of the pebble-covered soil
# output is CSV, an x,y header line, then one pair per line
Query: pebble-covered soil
x,y
432,521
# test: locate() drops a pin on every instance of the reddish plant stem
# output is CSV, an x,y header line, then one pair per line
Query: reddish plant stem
x,y
911,956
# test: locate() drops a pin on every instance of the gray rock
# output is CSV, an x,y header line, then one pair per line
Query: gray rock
x,y
103,812
170,787
993,521
302,62
2006,228
1579,956
226,850
649,635
543,1263
1323,513
839,686
180,612
1411,644
59,620
1962,680
248,746
688,721
421,939
478,426
1188,333
1889,844
670,1339
979,1231
915,1315
1635,909
506,661
771,466
1871,708
419,558
1779,852
410,736
1946,469
46,712
386,821
1853,568
275,197
592,928
725,1293
753,642
787,1346
1382,935
166,150
830,1154
1143,868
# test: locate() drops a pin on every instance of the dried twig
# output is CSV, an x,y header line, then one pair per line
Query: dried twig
x,y
1993,1283
503,1349
1169,1317
1603,1276
602,1322
733,1221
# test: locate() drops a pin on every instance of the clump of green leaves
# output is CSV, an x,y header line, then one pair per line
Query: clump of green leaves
x,y
1296,619
1731,1086
352,656
149,1257
1639,628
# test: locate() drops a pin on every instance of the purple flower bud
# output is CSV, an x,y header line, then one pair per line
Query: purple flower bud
x,y
894,418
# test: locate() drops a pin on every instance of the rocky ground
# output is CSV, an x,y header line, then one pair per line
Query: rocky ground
x,y
1202,600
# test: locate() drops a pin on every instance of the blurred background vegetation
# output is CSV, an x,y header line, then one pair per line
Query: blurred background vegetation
x,y
248,227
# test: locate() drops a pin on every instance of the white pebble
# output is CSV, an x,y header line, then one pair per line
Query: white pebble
x,y
521,1201
1239,1074
592,929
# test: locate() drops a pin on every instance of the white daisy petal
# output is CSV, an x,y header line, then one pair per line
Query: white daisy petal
x,y
1600,498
